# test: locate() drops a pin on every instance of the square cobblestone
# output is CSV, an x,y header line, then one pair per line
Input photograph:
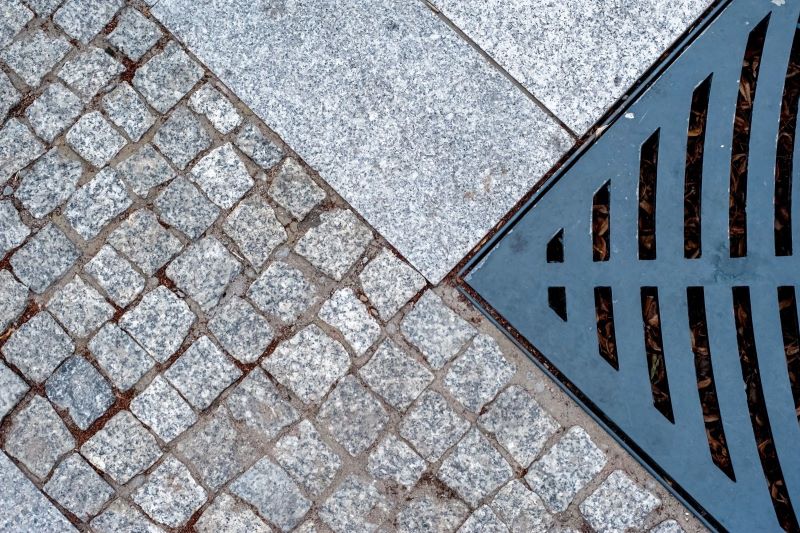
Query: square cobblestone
x,y
282,291
90,71
14,17
479,373
306,457
183,206
253,143
78,488
124,361
97,203
431,513
395,375
204,271
79,389
356,505
668,526
115,275
122,448
128,111
394,460
436,330
521,510
259,408
38,347
520,424
389,283
9,95
121,516
34,55
309,363
217,450
83,19
144,241
167,77
483,520
170,495
345,312
37,437
55,109
217,109
222,176
474,469
182,137
566,469
255,229
353,416
13,299
162,409
618,504
294,190
12,389
241,330
44,7
230,515
44,258
145,169
432,426
202,373
269,489
49,183
134,34
336,243
94,139
14,231
18,147
80,308
159,322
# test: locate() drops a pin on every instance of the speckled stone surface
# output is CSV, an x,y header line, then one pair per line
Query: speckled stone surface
x,y
577,57
76,486
48,183
171,495
448,143
23,507
79,389
619,504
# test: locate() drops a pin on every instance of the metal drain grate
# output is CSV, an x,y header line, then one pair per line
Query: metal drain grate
x,y
655,275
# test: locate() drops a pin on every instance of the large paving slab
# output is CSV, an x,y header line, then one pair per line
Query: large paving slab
x,y
401,116
576,56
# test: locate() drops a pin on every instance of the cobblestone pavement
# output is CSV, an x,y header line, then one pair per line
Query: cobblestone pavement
x,y
199,334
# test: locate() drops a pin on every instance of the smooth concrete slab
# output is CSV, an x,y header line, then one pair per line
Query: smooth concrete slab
x,y
428,141
576,56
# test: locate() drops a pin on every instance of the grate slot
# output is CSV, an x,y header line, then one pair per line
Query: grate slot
x,y
555,248
693,181
706,387
740,147
785,151
654,347
601,223
648,174
606,332
557,300
790,328
756,403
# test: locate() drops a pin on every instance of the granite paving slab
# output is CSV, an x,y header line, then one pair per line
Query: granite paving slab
x,y
576,56
382,94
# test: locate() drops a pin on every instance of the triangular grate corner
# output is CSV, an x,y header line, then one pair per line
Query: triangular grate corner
x,y
656,274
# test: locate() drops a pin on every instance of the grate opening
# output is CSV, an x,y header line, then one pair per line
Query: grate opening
x,y
557,300
693,181
784,159
606,333
648,171
758,409
706,388
791,340
740,148
555,248
654,347
601,223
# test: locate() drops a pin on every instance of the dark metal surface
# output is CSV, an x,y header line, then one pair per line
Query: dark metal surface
x,y
512,280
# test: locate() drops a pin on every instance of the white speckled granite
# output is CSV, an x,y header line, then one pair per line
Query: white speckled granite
x,y
400,115
576,56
